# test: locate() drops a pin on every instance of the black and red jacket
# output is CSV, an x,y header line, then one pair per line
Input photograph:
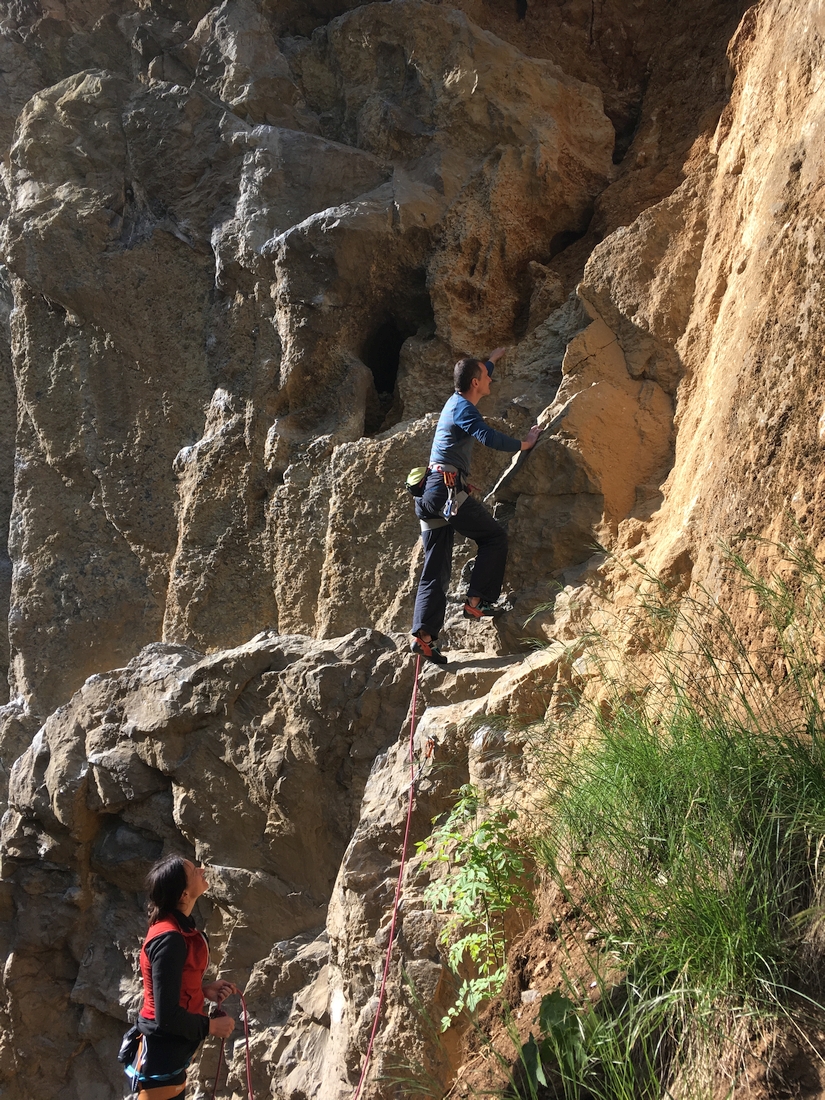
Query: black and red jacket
x,y
173,959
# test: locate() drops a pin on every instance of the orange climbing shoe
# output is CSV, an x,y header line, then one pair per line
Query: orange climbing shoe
x,y
429,650
483,610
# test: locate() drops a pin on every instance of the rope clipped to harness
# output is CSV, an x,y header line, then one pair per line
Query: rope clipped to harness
x,y
248,1059
395,904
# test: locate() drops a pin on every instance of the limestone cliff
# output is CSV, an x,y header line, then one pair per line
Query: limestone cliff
x,y
242,244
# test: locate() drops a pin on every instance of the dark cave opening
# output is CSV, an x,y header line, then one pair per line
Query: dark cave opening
x,y
564,239
381,353
626,123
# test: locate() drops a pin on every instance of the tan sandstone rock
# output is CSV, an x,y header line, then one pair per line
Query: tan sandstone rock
x,y
225,280
176,751
480,156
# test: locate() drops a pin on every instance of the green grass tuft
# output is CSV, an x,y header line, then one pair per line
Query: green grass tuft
x,y
694,845
687,825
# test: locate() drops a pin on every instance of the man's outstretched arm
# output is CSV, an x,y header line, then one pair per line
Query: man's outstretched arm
x,y
471,421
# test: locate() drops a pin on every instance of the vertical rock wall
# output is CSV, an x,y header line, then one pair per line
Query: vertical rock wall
x,y
196,290
8,421
753,345
254,760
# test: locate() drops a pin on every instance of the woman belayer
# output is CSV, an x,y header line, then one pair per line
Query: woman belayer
x,y
173,959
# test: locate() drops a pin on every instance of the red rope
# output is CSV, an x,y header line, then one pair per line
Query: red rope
x,y
385,975
218,1070
393,922
248,1060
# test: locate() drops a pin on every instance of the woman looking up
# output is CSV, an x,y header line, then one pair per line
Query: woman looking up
x,y
173,959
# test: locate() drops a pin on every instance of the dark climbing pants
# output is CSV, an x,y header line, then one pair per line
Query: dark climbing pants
x,y
474,522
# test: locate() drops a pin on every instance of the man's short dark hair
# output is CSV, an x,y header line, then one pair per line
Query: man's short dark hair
x,y
465,371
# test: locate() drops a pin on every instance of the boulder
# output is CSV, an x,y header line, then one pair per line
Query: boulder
x,y
208,756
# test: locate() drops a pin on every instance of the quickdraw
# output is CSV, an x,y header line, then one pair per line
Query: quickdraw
x,y
456,489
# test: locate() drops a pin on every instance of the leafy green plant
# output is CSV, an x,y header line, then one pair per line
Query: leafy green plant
x,y
484,876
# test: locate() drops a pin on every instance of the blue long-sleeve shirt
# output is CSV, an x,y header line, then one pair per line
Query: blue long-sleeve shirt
x,y
459,424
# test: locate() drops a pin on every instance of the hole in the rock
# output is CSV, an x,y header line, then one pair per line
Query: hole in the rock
x,y
408,312
563,240
625,123
381,353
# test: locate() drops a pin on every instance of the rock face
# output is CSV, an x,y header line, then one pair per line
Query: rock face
x,y
207,295
242,244
279,763
7,432
265,748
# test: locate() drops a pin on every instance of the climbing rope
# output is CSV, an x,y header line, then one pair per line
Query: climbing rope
x,y
414,775
248,1059
413,779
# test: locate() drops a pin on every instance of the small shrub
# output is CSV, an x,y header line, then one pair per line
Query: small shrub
x,y
485,876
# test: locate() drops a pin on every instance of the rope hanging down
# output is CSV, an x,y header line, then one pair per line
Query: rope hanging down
x,y
397,899
413,779
248,1061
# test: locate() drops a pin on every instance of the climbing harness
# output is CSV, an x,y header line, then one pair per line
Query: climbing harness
x,y
141,1086
457,491
413,780
157,1092
248,1060
456,488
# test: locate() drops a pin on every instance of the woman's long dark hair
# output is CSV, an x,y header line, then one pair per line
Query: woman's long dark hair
x,y
165,883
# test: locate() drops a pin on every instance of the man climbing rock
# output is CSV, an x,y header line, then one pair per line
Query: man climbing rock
x,y
445,507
